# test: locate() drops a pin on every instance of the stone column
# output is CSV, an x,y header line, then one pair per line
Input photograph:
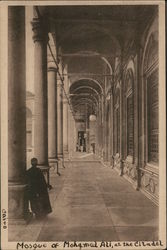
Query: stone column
x,y
105,132
141,121
87,134
122,127
69,129
52,114
103,128
60,123
108,129
100,130
135,120
65,116
40,84
97,132
70,134
112,131
17,205
65,128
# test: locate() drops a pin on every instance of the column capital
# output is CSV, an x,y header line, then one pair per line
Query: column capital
x,y
51,64
40,30
52,68
62,78
65,101
59,85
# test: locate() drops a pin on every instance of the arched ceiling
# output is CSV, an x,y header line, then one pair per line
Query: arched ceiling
x,y
85,89
86,98
85,93
86,44
119,12
85,25
87,33
84,103
90,39
86,82
93,67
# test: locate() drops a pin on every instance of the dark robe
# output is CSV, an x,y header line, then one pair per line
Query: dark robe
x,y
37,192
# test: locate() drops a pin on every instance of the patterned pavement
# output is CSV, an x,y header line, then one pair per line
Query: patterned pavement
x,y
92,203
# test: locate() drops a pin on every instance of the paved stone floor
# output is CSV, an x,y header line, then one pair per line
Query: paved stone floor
x,y
92,203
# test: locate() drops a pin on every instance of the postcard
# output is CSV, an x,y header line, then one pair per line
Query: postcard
x,y
83,125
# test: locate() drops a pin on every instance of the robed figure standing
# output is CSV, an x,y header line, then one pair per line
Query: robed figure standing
x,y
37,191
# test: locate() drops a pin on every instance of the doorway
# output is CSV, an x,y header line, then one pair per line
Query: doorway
x,y
81,144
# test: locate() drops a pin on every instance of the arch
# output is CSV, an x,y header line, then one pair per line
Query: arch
x,y
150,37
129,80
108,64
131,66
151,53
88,87
87,81
129,105
95,56
92,98
83,103
81,76
117,87
78,99
84,86
86,92
151,97
116,96
76,30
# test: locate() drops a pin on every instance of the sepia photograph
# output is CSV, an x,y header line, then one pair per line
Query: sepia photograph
x,y
83,125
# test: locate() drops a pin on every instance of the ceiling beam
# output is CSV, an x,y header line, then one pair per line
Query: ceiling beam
x,y
87,55
110,22
85,87
86,74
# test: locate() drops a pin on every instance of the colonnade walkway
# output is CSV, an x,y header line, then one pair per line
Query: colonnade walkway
x,y
92,202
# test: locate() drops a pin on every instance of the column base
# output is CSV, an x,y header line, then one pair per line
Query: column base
x,y
52,160
53,163
61,163
136,186
66,156
59,156
17,204
43,167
